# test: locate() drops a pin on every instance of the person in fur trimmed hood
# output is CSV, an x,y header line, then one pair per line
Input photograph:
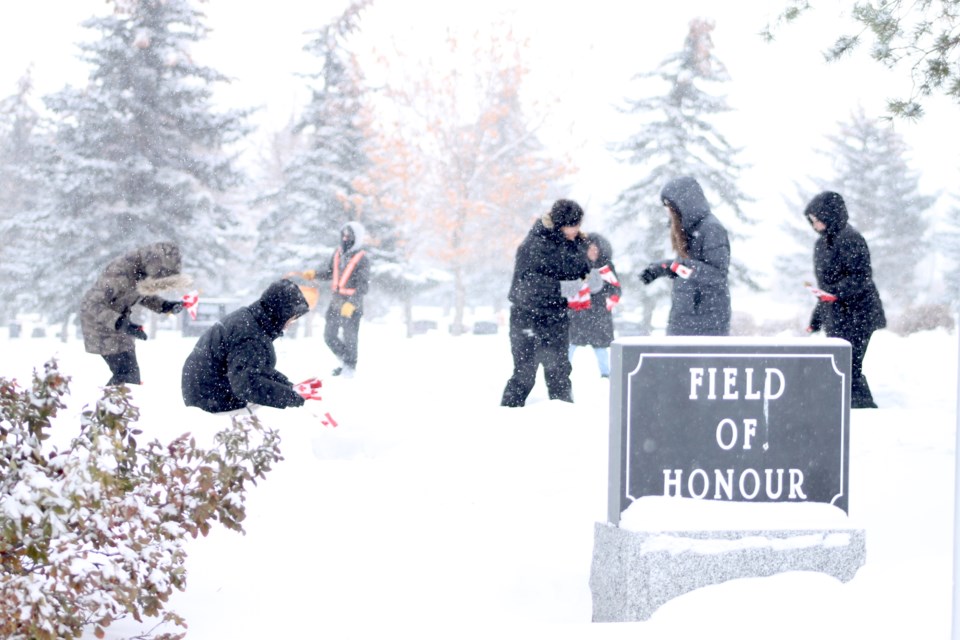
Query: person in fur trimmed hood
x,y
553,251
137,277
591,305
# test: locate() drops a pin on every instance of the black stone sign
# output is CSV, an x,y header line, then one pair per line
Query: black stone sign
x,y
750,420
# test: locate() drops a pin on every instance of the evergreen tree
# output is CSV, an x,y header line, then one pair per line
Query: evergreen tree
x,y
885,204
142,156
919,37
325,184
677,139
23,146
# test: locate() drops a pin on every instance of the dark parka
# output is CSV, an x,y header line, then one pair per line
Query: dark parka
x,y
133,278
234,361
539,326
841,262
593,326
544,258
700,303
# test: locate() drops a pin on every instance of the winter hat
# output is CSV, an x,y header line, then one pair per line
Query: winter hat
x,y
566,213
829,208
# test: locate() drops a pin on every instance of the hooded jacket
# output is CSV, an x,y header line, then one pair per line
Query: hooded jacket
x,y
234,361
841,262
133,278
543,259
593,326
349,283
701,301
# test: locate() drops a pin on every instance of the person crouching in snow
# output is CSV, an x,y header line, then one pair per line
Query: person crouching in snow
x,y
137,277
234,362
349,274
591,305
553,250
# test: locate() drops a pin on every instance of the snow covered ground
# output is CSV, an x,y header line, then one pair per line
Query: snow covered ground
x,y
431,512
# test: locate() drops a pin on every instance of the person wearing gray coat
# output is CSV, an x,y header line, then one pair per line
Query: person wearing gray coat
x,y
137,277
701,296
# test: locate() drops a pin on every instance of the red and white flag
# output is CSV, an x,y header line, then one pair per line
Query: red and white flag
x,y
581,300
608,276
820,293
309,389
681,270
190,303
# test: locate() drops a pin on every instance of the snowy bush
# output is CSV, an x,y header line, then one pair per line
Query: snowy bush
x,y
924,317
95,533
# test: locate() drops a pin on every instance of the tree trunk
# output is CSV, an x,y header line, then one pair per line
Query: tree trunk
x,y
460,300
408,314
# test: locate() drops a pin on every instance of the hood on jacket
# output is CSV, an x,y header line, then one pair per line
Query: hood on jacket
x,y
159,260
829,208
358,235
686,197
606,249
281,302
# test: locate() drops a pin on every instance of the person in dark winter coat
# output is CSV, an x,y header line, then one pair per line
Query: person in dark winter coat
x,y
701,296
591,306
234,362
553,250
349,274
134,278
848,304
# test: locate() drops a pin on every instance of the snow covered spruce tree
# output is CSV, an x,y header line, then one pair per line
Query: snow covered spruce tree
x,y
918,38
675,139
142,155
95,532
327,184
882,193
23,147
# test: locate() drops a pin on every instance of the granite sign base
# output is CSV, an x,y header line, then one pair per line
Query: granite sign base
x,y
635,572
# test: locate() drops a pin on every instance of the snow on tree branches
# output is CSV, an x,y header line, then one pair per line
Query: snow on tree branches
x,y
95,533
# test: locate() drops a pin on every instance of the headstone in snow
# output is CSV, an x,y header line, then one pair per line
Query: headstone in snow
x,y
753,420
756,429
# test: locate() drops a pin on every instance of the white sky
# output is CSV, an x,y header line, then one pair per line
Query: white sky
x,y
786,99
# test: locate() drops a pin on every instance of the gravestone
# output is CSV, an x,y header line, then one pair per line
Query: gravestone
x,y
741,421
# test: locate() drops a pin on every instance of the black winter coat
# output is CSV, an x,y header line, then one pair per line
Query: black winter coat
x,y
233,362
593,326
700,303
841,261
543,259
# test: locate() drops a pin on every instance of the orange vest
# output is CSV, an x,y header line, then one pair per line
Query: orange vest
x,y
338,284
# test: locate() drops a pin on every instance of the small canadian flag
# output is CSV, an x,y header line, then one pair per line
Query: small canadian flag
x,y
580,301
190,303
681,270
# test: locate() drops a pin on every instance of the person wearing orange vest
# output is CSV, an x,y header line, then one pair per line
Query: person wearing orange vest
x,y
349,276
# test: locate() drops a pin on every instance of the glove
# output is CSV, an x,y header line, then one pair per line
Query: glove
x,y
656,270
125,326
309,274
170,306
347,309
